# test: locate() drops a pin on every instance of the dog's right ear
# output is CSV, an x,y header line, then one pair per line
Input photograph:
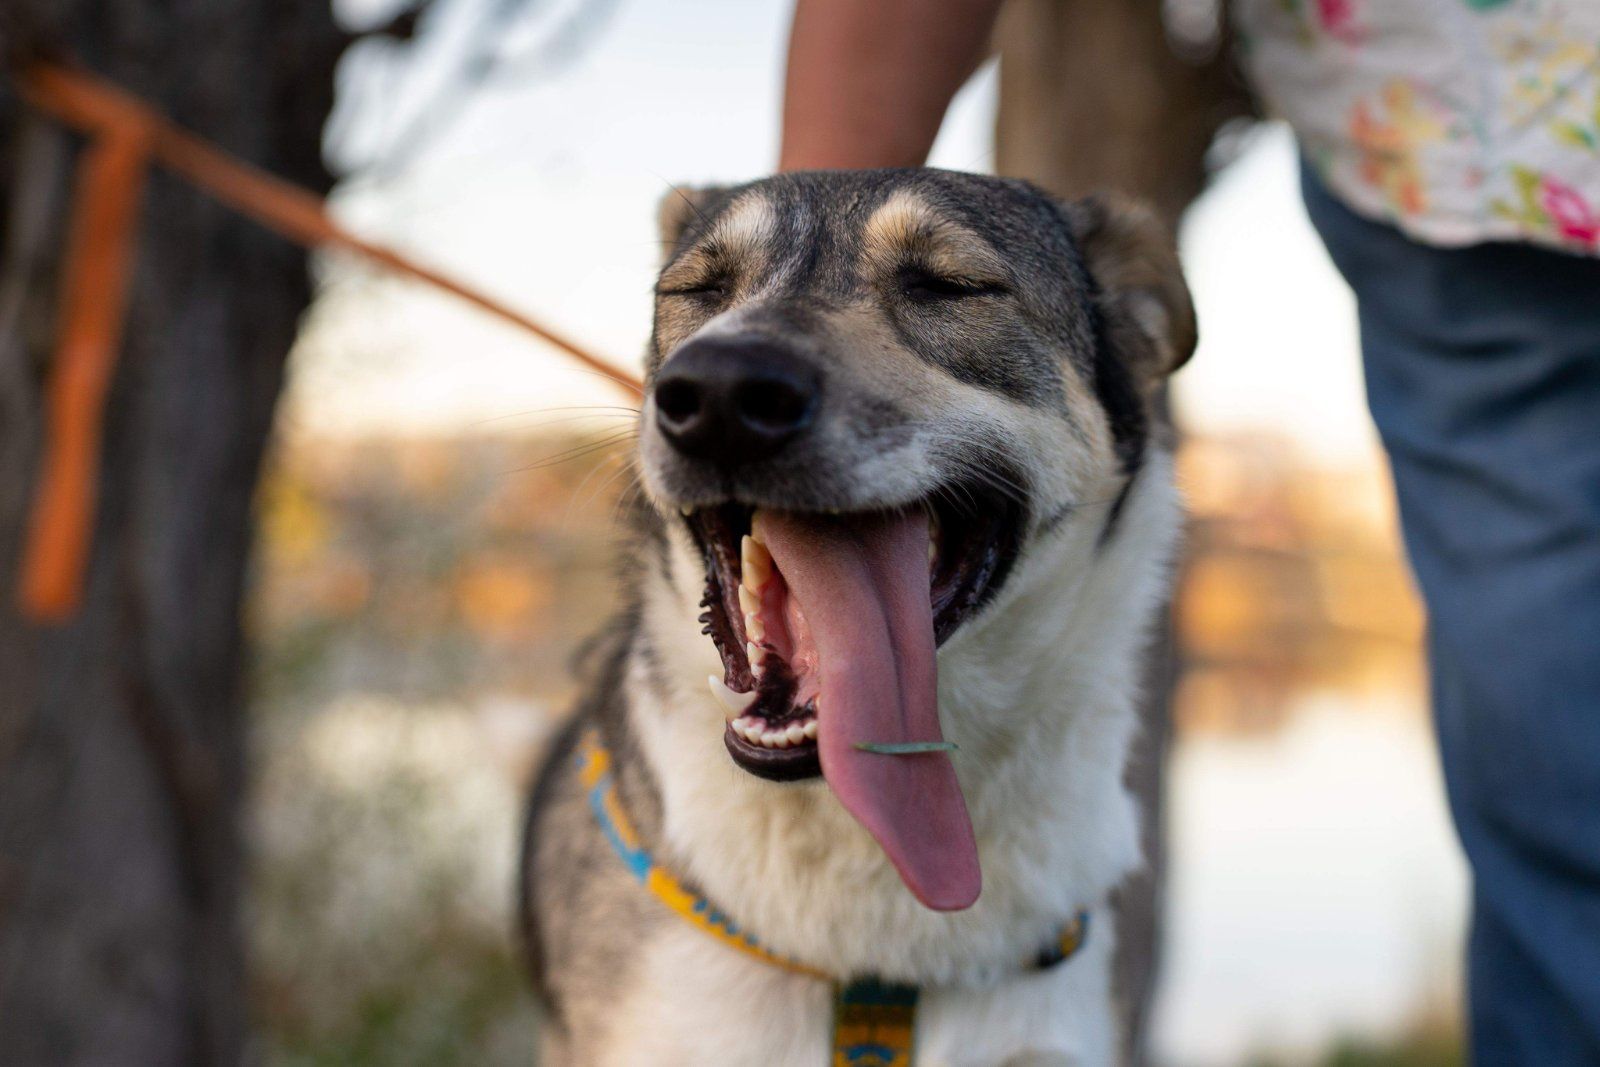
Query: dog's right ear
x,y
1149,317
681,206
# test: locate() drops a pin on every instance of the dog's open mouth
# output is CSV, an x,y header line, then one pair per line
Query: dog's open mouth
x,y
827,625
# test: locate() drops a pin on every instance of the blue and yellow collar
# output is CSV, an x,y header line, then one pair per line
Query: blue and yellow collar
x,y
873,1022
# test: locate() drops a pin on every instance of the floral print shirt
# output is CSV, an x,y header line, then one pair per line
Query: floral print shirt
x,y
1457,120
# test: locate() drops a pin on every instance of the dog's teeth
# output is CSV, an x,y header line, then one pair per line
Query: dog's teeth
x,y
755,563
759,732
685,510
750,603
733,704
755,655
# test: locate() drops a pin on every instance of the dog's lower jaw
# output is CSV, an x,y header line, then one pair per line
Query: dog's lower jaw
x,y
1038,694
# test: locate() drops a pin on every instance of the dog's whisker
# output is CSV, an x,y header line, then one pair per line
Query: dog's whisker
x,y
990,477
632,472
578,451
559,408
577,500
971,473
626,495
558,420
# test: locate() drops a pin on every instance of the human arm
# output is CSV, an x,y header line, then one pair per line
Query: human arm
x,y
868,81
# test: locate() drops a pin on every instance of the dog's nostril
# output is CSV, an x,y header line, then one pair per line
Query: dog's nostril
x,y
678,400
772,405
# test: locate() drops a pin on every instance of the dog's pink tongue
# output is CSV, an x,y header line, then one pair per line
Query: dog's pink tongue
x,y
862,585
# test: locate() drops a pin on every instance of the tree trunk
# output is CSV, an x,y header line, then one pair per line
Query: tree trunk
x,y
122,733
1099,94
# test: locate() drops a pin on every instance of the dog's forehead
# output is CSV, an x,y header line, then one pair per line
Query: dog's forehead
x,y
841,220
832,247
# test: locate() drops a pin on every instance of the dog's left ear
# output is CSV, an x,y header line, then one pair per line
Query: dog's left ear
x,y
680,206
1149,317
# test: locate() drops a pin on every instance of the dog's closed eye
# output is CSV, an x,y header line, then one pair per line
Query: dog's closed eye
x,y
711,289
924,286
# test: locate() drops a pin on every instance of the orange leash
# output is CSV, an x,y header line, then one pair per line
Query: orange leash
x,y
127,135
105,210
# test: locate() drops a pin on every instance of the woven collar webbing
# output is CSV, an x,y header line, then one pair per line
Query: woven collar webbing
x,y
873,1020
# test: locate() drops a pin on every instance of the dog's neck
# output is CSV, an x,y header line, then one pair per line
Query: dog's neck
x,y
1038,693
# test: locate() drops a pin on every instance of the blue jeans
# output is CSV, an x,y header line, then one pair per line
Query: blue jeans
x,y
1483,374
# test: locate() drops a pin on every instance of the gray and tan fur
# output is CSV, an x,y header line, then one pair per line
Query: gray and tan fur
x,y
1035,384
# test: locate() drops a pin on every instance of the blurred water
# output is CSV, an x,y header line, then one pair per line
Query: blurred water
x,y
1317,890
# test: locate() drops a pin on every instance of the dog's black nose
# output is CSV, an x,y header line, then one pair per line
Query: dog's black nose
x,y
735,401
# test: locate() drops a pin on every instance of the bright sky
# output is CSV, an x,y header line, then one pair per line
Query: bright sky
x,y
543,192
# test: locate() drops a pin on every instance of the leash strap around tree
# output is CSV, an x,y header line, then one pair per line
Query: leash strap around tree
x,y
127,136
874,1022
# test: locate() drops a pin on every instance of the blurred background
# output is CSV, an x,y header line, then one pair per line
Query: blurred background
x,y
438,504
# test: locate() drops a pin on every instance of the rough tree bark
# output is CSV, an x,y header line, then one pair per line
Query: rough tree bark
x,y
122,761
1098,94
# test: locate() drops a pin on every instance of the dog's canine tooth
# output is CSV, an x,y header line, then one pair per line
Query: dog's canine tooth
x,y
755,564
733,704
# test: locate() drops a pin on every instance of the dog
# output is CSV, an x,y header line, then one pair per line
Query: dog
x,y
901,529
